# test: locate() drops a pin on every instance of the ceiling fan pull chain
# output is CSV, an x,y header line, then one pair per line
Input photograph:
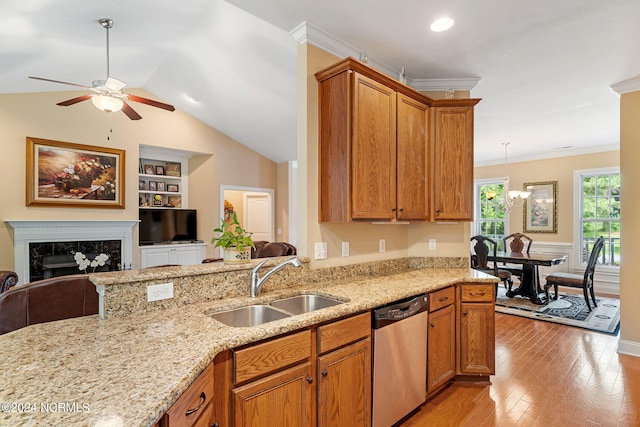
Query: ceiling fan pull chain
x,y
109,127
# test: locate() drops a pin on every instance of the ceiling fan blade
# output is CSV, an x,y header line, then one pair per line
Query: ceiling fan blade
x,y
74,100
130,112
151,102
58,81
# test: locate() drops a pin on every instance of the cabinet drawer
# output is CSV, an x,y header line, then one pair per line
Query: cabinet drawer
x,y
194,404
441,298
477,293
270,356
343,332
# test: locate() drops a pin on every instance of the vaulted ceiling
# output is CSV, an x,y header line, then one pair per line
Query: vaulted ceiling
x,y
544,68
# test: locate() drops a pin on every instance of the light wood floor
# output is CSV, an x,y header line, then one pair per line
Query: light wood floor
x,y
547,375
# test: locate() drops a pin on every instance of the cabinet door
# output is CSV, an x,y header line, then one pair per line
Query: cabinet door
x,y
476,340
413,158
189,255
344,390
373,149
453,181
441,347
154,256
284,399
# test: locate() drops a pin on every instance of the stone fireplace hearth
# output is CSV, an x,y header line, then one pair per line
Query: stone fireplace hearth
x,y
97,234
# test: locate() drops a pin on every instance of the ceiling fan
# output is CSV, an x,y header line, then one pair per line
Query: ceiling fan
x,y
108,94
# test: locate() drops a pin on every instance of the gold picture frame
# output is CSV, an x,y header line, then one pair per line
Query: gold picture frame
x,y
540,209
65,174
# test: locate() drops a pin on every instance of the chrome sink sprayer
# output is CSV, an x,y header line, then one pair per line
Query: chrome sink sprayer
x,y
257,281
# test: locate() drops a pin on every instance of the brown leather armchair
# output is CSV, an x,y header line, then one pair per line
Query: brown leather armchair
x,y
7,280
47,300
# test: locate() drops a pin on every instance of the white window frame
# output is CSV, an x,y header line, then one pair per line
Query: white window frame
x,y
478,183
577,217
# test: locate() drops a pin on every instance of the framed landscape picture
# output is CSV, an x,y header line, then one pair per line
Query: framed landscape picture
x,y
66,174
540,208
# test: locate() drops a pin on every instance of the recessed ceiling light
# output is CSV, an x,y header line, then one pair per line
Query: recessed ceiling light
x,y
442,24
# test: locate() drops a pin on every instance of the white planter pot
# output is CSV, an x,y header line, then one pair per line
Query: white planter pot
x,y
233,256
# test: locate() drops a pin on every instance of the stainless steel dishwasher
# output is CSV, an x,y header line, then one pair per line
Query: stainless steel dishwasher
x,y
399,359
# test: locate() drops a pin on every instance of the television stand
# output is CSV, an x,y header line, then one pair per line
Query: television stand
x,y
183,253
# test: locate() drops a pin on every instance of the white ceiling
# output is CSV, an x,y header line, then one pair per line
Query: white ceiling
x,y
544,67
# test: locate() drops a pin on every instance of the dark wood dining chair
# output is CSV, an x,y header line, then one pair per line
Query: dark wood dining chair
x,y
482,248
575,280
515,242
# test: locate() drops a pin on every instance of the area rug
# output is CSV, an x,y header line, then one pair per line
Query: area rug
x,y
569,309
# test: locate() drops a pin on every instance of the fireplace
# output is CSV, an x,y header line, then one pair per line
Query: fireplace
x,y
53,259
32,240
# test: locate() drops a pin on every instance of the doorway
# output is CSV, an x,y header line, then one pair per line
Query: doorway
x,y
254,208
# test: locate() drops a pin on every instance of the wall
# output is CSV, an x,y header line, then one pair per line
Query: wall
x,y
36,115
559,169
630,268
401,240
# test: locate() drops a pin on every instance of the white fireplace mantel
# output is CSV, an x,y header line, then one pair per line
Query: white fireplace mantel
x,y
36,231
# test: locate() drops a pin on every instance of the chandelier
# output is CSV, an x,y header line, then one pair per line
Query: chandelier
x,y
511,198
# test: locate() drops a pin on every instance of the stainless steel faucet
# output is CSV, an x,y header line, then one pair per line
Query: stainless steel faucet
x,y
257,281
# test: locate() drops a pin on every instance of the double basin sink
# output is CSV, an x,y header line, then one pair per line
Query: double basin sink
x,y
257,314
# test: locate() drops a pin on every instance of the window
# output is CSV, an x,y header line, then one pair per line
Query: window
x,y
600,215
491,218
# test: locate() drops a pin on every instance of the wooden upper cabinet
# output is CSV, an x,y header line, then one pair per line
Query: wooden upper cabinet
x,y
453,147
413,160
373,150
376,149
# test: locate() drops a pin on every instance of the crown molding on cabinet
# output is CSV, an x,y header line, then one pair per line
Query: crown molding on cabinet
x,y
626,86
309,33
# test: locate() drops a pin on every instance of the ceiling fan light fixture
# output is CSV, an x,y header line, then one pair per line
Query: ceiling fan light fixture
x,y
107,103
442,24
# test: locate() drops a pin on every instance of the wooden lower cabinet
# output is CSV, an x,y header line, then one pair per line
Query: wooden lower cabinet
x,y
441,347
344,386
195,407
282,399
476,330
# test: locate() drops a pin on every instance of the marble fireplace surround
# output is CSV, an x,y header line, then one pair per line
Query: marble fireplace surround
x,y
36,231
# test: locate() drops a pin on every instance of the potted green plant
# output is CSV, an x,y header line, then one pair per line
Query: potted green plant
x,y
235,241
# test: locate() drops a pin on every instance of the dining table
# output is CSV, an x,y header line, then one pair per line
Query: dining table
x,y
529,286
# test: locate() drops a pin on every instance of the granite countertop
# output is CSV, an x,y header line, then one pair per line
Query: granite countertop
x,y
128,371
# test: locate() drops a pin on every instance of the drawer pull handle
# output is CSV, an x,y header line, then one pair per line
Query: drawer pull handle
x,y
309,380
443,299
464,313
432,325
324,373
203,398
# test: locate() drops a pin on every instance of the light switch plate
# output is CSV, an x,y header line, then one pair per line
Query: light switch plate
x,y
382,245
345,248
432,244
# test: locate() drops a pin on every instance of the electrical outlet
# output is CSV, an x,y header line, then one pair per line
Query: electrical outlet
x,y
159,292
321,250
382,245
432,244
345,248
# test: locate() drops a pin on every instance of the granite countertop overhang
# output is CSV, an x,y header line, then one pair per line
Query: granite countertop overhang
x,y
128,371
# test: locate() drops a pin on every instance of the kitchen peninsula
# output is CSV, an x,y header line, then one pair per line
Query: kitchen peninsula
x,y
130,368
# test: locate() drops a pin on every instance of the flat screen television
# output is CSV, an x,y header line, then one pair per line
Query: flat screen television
x,y
161,226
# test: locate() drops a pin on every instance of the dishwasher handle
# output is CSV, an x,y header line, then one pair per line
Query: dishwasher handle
x,y
399,310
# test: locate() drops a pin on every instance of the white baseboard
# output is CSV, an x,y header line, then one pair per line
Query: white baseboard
x,y
629,347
